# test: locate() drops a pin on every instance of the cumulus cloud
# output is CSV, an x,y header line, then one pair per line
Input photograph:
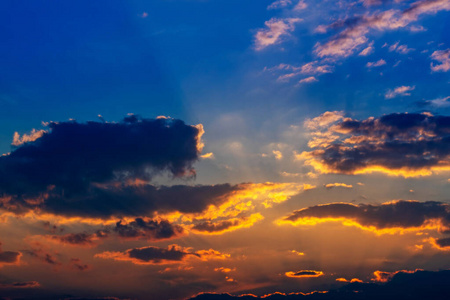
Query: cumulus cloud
x,y
72,156
399,91
399,144
443,59
155,255
276,28
391,217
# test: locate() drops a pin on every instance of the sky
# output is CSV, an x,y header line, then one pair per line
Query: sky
x,y
224,149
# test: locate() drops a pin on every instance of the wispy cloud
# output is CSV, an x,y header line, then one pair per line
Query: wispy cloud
x,y
399,91
276,28
443,57
377,63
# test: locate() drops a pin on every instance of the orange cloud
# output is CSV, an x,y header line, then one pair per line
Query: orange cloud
x,y
304,273
381,276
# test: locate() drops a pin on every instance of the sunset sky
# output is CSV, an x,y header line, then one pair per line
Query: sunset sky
x,y
211,149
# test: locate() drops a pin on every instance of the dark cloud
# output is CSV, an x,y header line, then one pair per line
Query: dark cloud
x,y
156,255
38,252
150,230
76,264
443,243
399,214
412,286
152,255
80,239
125,200
222,226
72,156
219,226
401,143
9,257
20,285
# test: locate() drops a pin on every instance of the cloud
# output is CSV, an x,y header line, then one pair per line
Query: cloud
x,y
304,273
368,50
442,244
439,102
443,57
308,80
402,49
72,156
355,29
220,227
150,230
39,252
20,285
26,138
399,91
9,257
79,239
155,255
300,5
76,264
382,276
120,200
378,63
412,285
337,184
399,144
391,217
311,68
279,4
276,28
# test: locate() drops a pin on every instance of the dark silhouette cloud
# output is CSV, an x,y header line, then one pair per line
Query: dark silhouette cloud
x,y
80,239
157,255
150,255
125,200
72,156
408,144
398,214
443,243
20,285
219,226
8,257
403,285
38,252
76,264
150,230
